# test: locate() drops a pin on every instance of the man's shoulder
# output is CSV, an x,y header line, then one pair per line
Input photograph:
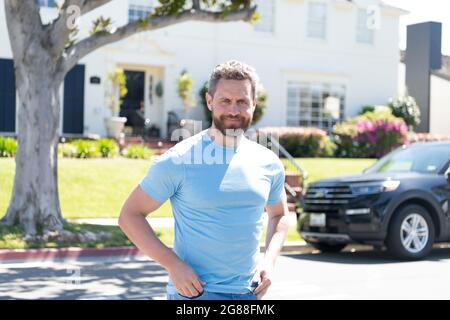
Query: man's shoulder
x,y
262,151
185,146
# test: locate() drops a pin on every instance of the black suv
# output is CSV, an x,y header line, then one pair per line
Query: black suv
x,y
401,202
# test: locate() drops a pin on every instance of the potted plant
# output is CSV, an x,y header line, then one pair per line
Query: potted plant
x,y
185,84
117,90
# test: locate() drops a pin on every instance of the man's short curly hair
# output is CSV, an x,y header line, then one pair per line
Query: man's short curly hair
x,y
233,70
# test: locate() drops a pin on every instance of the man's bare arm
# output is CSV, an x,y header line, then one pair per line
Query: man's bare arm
x,y
277,229
133,223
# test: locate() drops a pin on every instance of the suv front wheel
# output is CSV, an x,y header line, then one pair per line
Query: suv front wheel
x,y
411,233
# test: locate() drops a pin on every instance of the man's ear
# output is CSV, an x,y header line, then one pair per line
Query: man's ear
x,y
209,100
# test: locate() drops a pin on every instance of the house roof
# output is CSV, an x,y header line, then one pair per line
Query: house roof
x,y
443,72
399,10
381,3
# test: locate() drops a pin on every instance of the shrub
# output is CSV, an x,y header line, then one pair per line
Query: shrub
x,y
117,90
108,148
138,151
261,102
66,150
86,149
302,142
344,134
405,107
185,84
367,108
202,94
372,134
8,147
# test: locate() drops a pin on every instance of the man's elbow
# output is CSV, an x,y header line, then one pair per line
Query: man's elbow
x,y
124,217
126,214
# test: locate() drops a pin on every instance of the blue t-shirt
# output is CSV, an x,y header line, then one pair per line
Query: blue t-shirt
x,y
218,195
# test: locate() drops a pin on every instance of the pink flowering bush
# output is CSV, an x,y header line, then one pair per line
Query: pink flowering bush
x,y
381,134
372,134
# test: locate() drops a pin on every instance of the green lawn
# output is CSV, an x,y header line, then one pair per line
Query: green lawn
x,y
88,188
13,238
97,188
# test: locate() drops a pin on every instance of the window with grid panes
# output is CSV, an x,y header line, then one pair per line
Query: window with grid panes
x,y
47,3
363,33
135,12
307,104
317,20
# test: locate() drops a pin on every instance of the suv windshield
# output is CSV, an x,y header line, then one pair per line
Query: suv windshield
x,y
423,159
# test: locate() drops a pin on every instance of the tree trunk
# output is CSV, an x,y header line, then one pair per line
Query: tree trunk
x,y
35,203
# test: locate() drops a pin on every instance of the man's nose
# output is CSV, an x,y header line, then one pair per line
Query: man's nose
x,y
234,110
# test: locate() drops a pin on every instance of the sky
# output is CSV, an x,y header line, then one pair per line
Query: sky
x,y
422,11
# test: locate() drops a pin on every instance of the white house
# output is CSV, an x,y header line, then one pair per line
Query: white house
x,y
305,51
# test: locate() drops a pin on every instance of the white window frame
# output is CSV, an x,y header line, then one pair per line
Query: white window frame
x,y
300,100
364,35
266,23
136,11
47,3
317,22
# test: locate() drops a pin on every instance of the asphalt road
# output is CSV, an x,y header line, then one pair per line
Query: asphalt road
x,y
361,274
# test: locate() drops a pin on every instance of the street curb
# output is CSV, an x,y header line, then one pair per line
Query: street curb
x,y
44,254
72,252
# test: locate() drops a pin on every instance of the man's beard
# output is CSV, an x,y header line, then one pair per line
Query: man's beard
x,y
234,128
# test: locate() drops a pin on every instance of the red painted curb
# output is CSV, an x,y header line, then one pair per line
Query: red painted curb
x,y
73,252
31,254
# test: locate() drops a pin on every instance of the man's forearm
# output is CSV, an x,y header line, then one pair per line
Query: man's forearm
x,y
277,229
139,231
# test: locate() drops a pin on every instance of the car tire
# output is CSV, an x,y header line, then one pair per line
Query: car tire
x,y
411,233
325,247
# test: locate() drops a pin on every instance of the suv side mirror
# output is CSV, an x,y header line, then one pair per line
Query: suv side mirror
x,y
447,174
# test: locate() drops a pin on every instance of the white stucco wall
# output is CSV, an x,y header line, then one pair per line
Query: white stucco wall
x,y
439,105
401,78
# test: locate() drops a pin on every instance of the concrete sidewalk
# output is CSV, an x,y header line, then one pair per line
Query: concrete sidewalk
x,y
154,222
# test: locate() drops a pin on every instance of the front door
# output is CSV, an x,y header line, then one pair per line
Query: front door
x,y
133,106
73,110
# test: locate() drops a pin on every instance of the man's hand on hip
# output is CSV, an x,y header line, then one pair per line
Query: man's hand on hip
x,y
186,280
264,277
